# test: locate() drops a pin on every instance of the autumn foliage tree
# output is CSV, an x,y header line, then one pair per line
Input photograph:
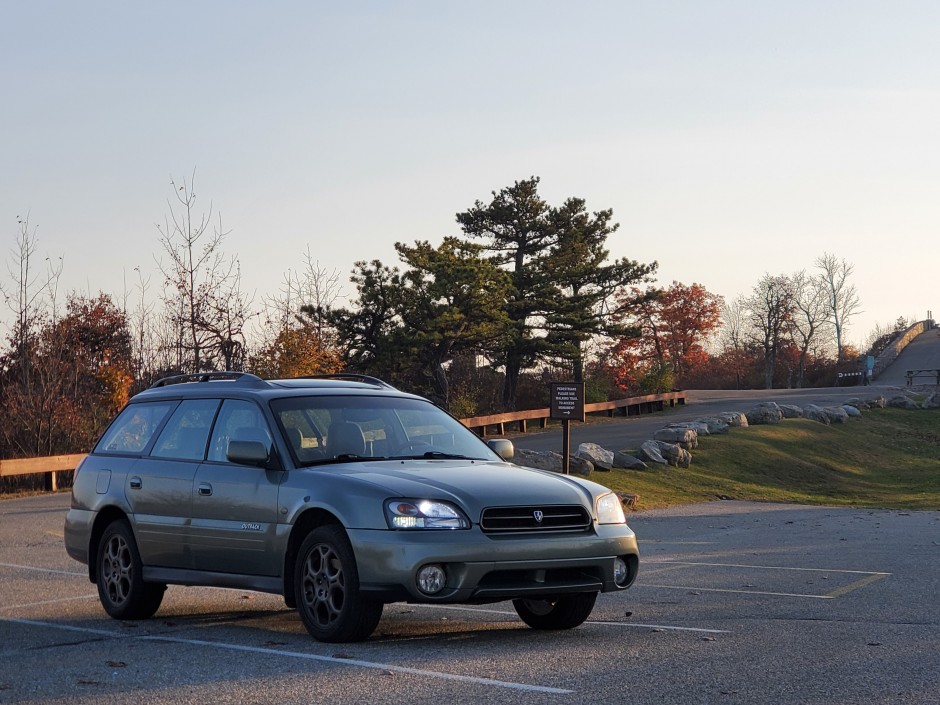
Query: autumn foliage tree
x,y
675,325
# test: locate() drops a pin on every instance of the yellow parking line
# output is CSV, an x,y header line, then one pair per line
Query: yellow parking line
x,y
868,580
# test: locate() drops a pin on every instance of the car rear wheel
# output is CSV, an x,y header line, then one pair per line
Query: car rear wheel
x,y
563,612
121,587
327,589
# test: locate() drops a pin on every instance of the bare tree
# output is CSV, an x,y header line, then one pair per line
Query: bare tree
x,y
810,316
205,306
305,297
842,298
770,312
31,290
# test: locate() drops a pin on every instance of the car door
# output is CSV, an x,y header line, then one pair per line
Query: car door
x,y
234,507
159,486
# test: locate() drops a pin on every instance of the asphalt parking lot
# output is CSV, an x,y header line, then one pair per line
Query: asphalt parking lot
x,y
735,603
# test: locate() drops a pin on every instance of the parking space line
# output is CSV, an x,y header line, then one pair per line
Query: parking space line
x,y
43,570
745,592
26,605
846,589
589,621
440,675
772,567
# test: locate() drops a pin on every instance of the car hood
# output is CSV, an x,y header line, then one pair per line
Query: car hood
x,y
474,485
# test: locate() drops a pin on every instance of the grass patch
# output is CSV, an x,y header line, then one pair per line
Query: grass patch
x,y
890,458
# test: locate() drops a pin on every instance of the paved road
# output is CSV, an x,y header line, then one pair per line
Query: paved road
x,y
922,353
736,604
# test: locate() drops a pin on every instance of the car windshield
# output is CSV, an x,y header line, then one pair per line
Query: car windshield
x,y
331,429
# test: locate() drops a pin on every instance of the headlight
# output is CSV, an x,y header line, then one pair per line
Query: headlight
x,y
424,514
610,510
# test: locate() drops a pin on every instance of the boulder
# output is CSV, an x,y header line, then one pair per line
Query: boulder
x,y
734,418
674,454
791,411
551,461
651,453
851,410
714,424
765,413
601,458
815,413
932,402
836,414
700,428
902,402
629,462
685,437
877,402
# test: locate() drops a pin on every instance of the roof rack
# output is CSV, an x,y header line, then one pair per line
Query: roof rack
x,y
352,377
246,378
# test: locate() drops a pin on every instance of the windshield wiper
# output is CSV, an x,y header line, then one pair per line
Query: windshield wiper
x,y
435,455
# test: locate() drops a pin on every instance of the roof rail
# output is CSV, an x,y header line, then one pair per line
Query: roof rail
x,y
352,377
247,379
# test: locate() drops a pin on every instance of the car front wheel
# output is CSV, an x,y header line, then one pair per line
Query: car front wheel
x,y
563,612
327,589
121,587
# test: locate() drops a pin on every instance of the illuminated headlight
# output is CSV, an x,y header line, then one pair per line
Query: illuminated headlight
x,y
424,514
610,510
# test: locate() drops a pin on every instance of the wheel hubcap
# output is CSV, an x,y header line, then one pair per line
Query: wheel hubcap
x,y
324,585
117,570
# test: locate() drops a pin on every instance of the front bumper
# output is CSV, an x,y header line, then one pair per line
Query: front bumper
x,y
484,568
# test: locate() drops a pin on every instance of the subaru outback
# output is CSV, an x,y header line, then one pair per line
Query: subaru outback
x,y
341,494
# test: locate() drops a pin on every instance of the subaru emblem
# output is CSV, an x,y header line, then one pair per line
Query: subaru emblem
x,y
538,515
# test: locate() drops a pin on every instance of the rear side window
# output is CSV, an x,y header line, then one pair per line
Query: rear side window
x,y
186,433
134,427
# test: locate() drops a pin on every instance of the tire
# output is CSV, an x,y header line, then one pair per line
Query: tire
x,y
119,575
563,612
326,586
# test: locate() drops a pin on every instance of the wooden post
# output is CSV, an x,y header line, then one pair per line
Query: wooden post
x,y
566,446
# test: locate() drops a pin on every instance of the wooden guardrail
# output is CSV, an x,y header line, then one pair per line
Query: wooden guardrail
x,y
631,406
50,464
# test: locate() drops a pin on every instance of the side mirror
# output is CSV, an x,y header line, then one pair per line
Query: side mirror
x,y
502,447
248,453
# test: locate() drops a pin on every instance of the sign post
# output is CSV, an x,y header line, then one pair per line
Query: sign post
x,y
567,403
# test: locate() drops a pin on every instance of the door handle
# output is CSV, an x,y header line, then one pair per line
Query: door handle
x,y
135,483
205,489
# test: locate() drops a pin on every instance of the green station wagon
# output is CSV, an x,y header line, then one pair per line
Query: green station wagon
x,y
341,494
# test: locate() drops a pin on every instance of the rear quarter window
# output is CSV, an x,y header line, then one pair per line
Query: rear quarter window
x,y
134,427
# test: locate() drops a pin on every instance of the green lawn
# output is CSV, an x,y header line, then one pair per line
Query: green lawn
x,y
889,458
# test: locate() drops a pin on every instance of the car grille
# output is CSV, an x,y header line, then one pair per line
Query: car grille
x,y
527,518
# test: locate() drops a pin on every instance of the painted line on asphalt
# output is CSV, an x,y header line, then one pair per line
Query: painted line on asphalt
x,y
679,543
42,570
744,592
439,675
48,602
510,613
771,567
846,589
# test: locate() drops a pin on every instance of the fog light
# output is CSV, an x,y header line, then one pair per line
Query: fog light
x,y
431,579
620,571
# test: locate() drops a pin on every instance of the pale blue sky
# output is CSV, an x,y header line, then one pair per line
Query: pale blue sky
x,y
730,138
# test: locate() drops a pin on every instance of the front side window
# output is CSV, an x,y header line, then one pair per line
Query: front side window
x,y
238,421
186,433
132,430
